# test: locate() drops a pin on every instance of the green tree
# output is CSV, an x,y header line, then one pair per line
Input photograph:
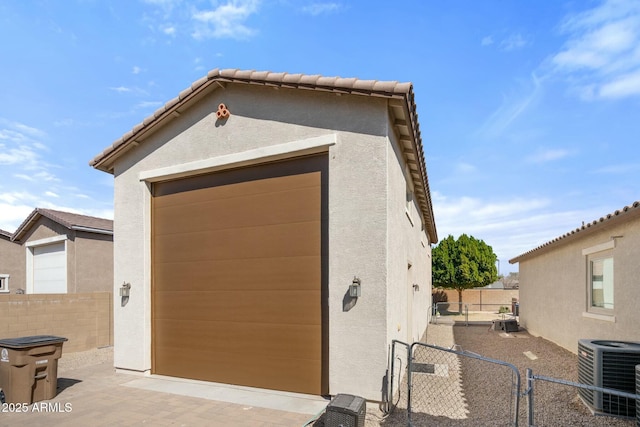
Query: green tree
x,y
463,264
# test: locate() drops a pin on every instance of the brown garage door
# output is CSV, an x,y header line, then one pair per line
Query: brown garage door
x,y
238,276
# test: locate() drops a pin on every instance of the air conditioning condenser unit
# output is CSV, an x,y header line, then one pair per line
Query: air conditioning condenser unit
x,y
608,364
345,410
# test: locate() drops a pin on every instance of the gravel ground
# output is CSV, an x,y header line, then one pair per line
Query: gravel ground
x,y
71,361
483,390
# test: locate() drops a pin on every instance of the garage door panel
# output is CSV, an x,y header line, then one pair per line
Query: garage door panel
x,y
194,190
262,209
251,370
49,269
286,240
262,339
291,307
299,273
238,213
237,262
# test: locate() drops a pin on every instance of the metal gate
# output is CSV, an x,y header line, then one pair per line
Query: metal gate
x,y
445,387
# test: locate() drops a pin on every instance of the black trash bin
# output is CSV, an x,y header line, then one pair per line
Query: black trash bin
x,y
29,368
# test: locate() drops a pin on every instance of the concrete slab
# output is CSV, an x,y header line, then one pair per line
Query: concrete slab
x,y
246,396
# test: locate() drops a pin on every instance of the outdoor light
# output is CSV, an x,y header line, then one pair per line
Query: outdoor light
x,y
354,289
124,289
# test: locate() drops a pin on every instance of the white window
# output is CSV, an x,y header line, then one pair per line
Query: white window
x,y
4,283
601,281
600,278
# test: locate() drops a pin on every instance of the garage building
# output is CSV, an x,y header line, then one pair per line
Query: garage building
x,y
247,211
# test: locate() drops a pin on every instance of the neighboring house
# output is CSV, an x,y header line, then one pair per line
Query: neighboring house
x,y
55,252
584,284
10,261
245,209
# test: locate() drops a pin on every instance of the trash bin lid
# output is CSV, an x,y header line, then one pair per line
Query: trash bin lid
x,y
32,341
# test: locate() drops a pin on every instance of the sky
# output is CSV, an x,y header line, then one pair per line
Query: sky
x,y
528,109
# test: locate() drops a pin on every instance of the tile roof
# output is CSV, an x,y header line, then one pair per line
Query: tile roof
x,y
626,213
69,220
5,234
264,78
406,118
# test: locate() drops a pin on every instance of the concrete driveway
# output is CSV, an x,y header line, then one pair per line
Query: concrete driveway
x,y
90,393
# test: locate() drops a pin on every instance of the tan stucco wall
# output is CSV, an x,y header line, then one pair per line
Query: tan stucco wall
x,y
84,319
93,264
12,262
364,225
408,307
553,289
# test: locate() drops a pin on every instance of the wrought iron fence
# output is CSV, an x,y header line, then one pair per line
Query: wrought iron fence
x,y
445,387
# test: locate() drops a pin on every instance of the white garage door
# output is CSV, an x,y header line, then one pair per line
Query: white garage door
x,y
50,269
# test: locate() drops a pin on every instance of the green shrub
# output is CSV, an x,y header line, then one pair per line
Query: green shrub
x,y
439,296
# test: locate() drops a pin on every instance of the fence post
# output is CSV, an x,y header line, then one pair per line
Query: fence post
x,y
410,368
466,315
529,393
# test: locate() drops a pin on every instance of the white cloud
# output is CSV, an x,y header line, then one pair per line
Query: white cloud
x,y
531,222
618,169
486,41
169,30
51,194
147,104
226,20
320,8
136,70
601,58
12,215
512,107
547,155
622,86
21,154
513,42
132,90
120,89
464,168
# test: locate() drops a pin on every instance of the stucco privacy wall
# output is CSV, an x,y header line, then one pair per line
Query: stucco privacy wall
x,y
553,289
359,158
84,319
482,299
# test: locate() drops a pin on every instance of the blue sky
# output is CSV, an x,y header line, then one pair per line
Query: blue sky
x,y
529,110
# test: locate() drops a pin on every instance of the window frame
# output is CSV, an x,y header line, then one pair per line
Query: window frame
x,y
4,283
599,253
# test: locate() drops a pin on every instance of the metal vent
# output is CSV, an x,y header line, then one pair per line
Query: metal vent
x,y
346,410
609,364
585,372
